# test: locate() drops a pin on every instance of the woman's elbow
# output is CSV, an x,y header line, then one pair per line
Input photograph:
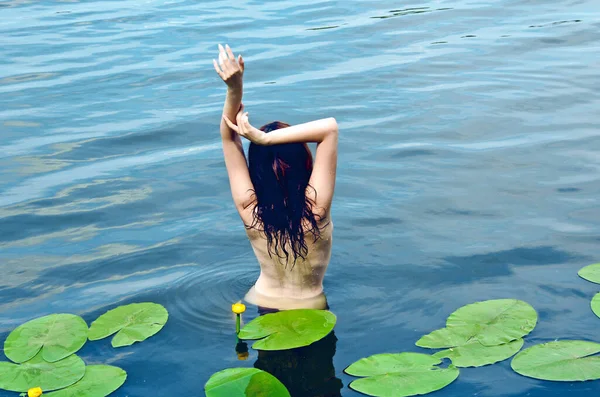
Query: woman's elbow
x,y
333,125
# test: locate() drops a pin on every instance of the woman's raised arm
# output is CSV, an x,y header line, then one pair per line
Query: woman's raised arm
x,y
322,179
313,131
231,72
324,132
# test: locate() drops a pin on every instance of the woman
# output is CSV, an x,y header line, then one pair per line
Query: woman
x,y
282,196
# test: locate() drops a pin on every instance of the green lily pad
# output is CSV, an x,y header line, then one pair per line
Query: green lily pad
x,y
379,364
39,373
491,323
447,337
565,361
289,329
596,304
474,354
56,335
400,375
244,382
133,323
98,381
591,273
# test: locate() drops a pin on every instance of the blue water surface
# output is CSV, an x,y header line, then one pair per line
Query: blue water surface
x,y
469,169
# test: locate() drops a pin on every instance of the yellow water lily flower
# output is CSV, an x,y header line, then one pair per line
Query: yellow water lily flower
x,y
238,308
243,356
34,392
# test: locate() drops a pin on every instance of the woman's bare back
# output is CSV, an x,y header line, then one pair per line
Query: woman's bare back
x,y
283,286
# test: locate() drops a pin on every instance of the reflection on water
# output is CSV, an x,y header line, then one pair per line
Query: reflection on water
x,y
306,371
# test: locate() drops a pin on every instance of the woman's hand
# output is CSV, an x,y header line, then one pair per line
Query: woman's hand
x,y
245,129
230,70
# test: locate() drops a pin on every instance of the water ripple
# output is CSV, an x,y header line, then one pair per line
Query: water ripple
x,y
202,300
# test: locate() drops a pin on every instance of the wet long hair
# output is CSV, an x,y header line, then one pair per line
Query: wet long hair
x,y
280,174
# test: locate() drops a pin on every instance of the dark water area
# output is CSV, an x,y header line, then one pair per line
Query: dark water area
x,y
469,169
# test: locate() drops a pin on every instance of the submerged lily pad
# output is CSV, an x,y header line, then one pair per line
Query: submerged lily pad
x,y
591,273
596,304
39,373
98,381
565,361
491,323
242,382
56,335
474,354
400,375
133,323
289,329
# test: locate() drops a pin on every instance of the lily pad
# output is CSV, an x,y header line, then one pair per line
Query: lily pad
x,y
591,273
132,323
289,329
596,304
565,361
378,364
56,335
491,323
400,375
39,373
446,337
242,382
474,354
98,381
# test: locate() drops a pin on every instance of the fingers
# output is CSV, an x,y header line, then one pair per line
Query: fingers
x,y
244,123
240,112
227,60
243,127
229,53
249,126
222,55
230,124
241,62
224,60
217,69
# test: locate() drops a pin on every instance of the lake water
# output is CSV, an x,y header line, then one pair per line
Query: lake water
x,y
469,169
